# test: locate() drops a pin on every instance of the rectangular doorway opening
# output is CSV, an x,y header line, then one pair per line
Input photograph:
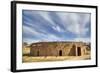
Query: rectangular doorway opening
x,y
78,51
60,52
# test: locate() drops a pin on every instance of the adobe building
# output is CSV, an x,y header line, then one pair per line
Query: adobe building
x,y
58,49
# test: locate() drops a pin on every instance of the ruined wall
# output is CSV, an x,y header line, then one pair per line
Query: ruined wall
x,y
58,49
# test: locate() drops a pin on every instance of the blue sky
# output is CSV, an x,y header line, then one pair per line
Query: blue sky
x,y
55,26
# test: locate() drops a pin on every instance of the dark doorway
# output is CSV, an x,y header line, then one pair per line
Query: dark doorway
x,y
37,53
78,51
60,52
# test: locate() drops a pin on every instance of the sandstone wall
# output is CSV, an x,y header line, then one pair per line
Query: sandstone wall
x,y
58,49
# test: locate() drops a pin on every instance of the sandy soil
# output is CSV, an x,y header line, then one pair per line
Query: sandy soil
x,y
26,59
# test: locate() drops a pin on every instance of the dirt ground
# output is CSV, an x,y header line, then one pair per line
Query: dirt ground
x,y
27,59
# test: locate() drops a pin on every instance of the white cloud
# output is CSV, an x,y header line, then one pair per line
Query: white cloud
x,y
83,39
46,16
57,28
75,22
35,28
29,40
50,37
27,29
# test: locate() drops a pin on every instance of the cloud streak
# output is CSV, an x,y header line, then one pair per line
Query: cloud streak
x,y
55,26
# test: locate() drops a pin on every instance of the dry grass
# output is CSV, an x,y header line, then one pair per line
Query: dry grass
x,y
54,58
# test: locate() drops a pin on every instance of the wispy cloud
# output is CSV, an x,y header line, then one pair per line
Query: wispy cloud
x,y
75,22
51,26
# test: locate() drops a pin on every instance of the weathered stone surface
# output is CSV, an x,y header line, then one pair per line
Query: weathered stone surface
x,y
58,49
